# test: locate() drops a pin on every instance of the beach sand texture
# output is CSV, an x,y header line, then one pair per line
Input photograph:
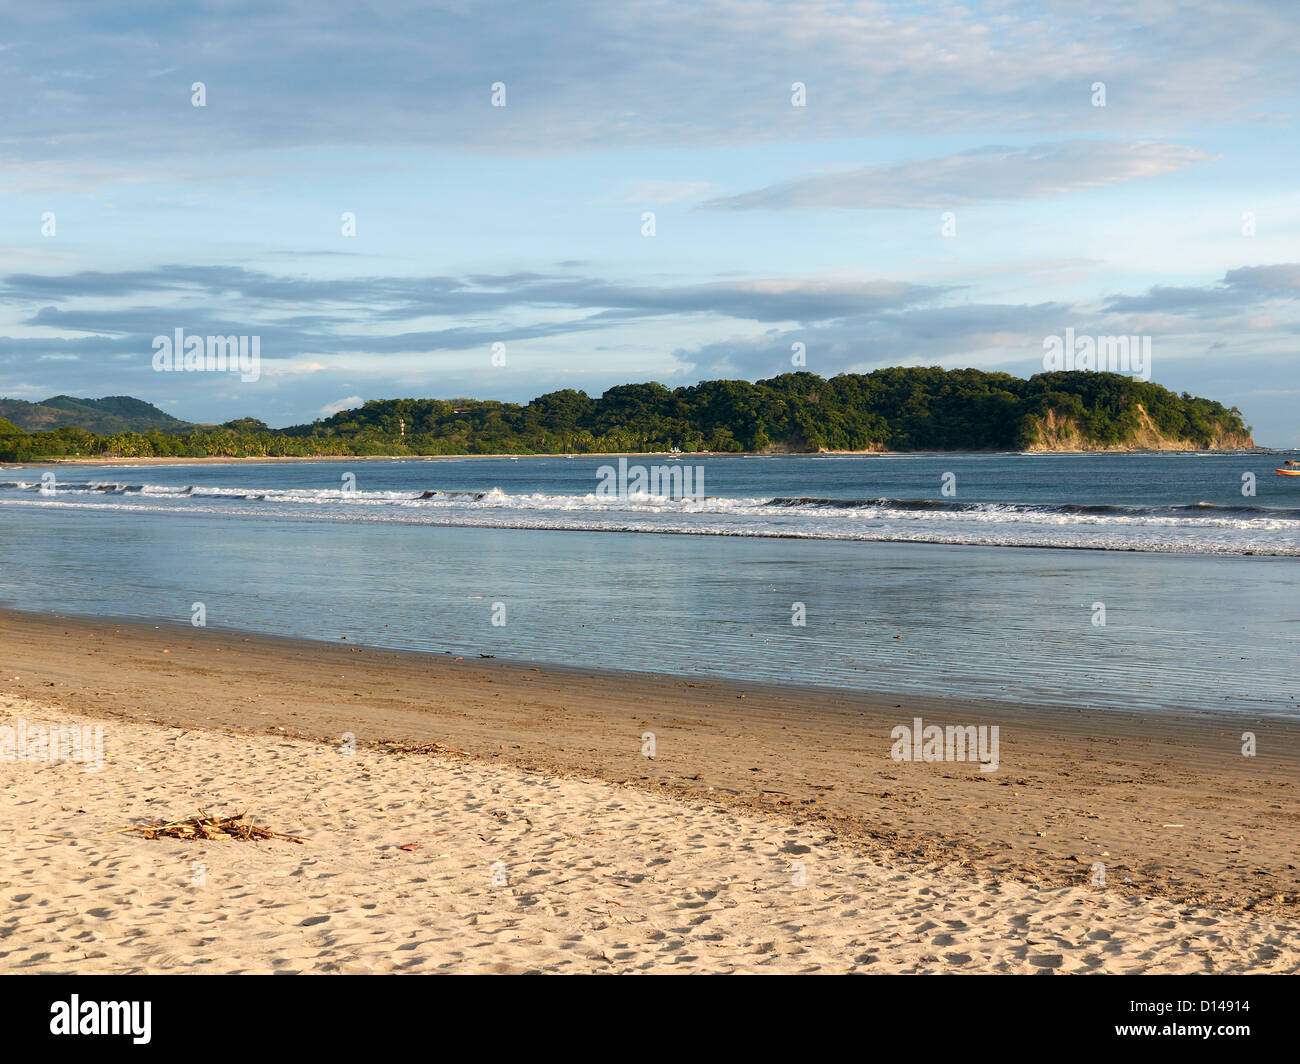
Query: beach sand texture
x,y
591,876
1169,804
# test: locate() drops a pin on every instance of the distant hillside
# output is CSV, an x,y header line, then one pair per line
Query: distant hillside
x,y
113,413
900,409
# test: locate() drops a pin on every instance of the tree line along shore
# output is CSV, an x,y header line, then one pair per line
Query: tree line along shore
x,y
899,409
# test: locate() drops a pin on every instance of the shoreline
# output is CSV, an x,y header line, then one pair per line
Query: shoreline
x,y
1167,803
271,459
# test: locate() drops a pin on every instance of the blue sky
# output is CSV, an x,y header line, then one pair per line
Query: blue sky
x,y
522,224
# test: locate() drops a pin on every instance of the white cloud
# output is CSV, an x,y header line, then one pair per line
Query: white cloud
x,y
330,409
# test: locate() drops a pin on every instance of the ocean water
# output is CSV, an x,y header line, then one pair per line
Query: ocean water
x,y
903,587
1178,502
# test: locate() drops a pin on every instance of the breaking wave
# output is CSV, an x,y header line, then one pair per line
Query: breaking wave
x,y
1198,527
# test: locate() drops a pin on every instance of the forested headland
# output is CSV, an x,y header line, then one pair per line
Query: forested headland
x,y
900,409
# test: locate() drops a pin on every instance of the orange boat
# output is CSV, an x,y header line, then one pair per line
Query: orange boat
x,y
1288,472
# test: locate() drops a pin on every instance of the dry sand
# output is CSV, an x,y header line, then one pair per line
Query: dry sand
x,y
591,877
615,862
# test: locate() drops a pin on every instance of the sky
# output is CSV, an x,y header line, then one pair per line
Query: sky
x,y
497,200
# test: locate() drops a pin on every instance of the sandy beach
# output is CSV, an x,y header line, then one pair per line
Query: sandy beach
x,y
418,863
605,860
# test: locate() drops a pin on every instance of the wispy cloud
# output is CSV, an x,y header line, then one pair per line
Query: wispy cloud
x,y
258,295
991,173
845,324
584,76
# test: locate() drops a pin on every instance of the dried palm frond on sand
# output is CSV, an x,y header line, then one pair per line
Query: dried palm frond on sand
x,y
392,746
205,826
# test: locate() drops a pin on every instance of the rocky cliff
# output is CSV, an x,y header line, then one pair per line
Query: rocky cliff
x,y
1059,433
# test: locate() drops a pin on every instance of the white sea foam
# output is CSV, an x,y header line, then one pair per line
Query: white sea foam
x,y
1199,528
